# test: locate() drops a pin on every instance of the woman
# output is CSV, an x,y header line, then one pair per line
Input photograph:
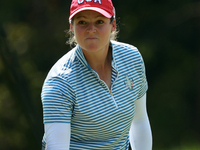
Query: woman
x,y
94,97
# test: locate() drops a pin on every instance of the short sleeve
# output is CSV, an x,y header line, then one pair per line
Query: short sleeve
x,y
144,85
58,101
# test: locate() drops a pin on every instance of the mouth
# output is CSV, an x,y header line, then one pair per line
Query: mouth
x,y
91,38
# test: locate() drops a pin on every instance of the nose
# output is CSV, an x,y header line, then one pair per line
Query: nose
x,y
91,28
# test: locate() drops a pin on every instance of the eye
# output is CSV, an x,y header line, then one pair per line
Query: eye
x,y
100,22
81,22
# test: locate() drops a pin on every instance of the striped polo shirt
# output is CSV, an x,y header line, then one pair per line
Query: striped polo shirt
x,y
100,118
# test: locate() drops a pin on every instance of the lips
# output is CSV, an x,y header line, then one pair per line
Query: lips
x,y
91,38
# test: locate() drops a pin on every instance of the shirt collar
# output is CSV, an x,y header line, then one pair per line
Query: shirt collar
x,y
113,63
81,56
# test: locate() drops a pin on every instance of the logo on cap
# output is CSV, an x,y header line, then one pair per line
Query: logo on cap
x,y
81,1
104,7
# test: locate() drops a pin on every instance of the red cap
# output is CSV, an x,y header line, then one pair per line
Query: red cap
x,y
104,7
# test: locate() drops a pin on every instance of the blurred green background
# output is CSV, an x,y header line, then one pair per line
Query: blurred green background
x,y
167,33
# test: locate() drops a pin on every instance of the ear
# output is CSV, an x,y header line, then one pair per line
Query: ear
x,y
114,25
71,27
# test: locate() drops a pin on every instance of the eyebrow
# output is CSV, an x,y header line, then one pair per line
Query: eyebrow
x,y
81,17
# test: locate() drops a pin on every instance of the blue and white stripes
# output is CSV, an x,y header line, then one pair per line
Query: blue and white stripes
x,y
100,119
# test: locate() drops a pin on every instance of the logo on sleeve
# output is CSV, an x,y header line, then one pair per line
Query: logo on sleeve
x,y
128,83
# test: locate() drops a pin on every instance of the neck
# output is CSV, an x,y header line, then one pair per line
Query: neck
x,y
99,61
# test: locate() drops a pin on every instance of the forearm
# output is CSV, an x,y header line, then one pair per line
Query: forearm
x,y
140,132
140,135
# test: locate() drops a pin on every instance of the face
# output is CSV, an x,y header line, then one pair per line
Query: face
x,y
92,30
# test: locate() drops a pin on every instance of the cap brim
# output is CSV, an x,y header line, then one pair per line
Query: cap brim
x,y
101,11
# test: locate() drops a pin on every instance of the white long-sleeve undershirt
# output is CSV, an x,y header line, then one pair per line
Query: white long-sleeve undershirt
x,y
57,136
140,135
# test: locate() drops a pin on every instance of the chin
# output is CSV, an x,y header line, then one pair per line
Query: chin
x,y
91,47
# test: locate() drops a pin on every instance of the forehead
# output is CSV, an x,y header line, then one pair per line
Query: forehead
x,y
88,14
